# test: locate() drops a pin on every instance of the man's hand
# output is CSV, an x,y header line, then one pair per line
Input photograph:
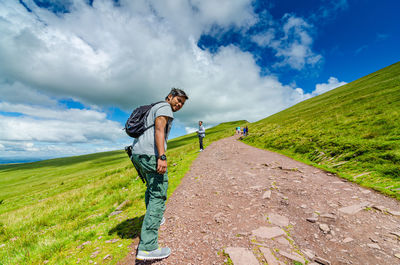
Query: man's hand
x,y
161,166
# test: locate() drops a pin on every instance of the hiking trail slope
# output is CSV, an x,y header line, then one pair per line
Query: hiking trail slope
x,y
258,206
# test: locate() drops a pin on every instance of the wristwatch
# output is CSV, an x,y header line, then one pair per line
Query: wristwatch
x,y
163,157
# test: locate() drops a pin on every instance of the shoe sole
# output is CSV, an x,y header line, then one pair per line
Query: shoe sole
x,y
151,258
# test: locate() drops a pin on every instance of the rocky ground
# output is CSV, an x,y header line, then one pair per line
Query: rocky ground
x,y
259,207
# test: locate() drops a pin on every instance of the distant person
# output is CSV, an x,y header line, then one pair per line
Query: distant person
x,y
148,156
247,130
201,133
238,130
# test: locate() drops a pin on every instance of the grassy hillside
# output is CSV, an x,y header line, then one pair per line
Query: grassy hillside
x,y
353,130
49,209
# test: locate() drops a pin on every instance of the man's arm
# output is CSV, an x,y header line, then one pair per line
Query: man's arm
x,y
160,124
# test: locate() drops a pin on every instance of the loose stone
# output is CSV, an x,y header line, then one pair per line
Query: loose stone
x,y
324,228
112,240
122,205
395,213
292,256
268,232
347,240
309,254
327,217
312,219
114,213
278,220
379,208
283,241
322,261
373,239
267,195
241,256
83,244
375,246
353,209
395,233
271,260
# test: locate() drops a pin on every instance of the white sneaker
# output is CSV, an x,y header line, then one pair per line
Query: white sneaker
x,y
162,221
160,253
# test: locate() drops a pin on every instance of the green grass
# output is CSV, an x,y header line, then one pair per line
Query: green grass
x,y
50,208
351,130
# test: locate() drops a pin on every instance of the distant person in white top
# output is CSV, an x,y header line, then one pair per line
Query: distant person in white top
x,y
201,133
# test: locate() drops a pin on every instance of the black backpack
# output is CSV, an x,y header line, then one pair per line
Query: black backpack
x,y
136,123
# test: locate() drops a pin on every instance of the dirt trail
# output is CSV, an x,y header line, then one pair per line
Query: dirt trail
x,y
254,204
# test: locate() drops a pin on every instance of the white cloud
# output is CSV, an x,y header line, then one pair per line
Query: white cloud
x,y
190,129
20,93
295,46
329,10
333,82
291,41
264,39
131,54
67,126
17,151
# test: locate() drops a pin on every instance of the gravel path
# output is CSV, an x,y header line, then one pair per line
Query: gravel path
x,y
258,206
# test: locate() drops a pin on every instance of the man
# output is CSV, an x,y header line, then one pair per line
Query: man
x,y
201,133
148,156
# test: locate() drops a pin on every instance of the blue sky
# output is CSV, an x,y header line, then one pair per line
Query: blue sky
x,y
71,71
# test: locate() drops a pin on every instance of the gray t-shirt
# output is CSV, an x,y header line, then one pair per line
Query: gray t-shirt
x,y
146,143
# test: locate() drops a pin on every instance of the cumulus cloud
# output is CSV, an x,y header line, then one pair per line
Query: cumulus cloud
x,y
132,53
291,40
108,55
44,133
333,82
19,93
190,129
67,126
295,46
329,10
264,39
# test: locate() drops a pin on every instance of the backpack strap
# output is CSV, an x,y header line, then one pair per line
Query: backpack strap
x,y
152,105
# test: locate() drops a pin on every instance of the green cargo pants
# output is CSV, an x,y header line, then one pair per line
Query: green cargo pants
x,y
155,197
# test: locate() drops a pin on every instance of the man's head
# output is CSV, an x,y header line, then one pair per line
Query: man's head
x,y
176,98
200,123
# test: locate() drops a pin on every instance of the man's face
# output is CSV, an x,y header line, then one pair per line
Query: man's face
x,y
200,123
176,102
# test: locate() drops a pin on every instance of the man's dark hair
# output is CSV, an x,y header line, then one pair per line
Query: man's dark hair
x,y
176,92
